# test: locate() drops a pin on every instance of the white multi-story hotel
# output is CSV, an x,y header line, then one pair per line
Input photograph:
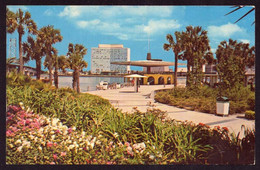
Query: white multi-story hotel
x,y
106,53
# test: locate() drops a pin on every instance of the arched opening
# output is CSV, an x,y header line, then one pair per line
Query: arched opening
x,y
169,80
161,80
151,80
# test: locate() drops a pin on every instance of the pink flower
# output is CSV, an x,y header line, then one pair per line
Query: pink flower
x,y
55,157
9,133
49,144
52,163
27,121
127,144
109,163
63,154
21,123
57,131
70,130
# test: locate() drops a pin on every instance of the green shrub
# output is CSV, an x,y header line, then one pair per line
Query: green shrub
x,y
249,114
203,99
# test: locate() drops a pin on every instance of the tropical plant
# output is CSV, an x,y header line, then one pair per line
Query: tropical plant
x,y
176,48
60,63
33,50
19,21
195,44
76,62
240,7
10,61
49,36
232,60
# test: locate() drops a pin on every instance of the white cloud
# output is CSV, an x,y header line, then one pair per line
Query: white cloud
x,y
48,12
116,20
97,25
245,41
226,30
71,11
155,26
15,8
116,11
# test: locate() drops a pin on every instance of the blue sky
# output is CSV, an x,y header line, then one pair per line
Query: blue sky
x,y
131,25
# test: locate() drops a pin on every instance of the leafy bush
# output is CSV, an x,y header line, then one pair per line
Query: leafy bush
x,y
249,114
204,99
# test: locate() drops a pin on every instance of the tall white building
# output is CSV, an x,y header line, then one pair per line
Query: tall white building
x,y
106,53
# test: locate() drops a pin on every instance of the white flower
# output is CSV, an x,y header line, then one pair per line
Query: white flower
x,y
83,133
98,142
129,148
21,104
19,149
89,137
26,143
59,124
92,144
40,148
142,145
73,128
40,130
18,142
115,135
35,139
71,147
54,121
53,137
151,157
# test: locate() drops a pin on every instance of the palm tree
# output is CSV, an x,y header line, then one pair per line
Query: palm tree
x,y
19,21
76,62
176,48
195,44
60,63
49,36
33,50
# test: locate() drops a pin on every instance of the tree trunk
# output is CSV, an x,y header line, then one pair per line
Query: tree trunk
x,y
20,54
38,69
56,78
175,70
78,87
50,69
188,74
74,80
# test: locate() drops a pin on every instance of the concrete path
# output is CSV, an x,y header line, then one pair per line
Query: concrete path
x,y
126,99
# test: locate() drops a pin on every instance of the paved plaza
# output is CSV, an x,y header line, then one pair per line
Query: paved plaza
x,y
125,99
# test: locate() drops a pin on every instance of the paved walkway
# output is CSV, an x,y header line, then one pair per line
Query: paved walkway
x,y
126,99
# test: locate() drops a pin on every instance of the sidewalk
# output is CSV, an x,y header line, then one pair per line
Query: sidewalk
x,y
126,99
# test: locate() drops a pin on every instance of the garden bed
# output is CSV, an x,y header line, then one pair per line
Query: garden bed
x,y
59,126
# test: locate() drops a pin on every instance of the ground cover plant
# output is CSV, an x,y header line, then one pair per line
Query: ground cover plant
x,y
204,98
58,126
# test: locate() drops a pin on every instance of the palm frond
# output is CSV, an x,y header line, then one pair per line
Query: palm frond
x,y
245,14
